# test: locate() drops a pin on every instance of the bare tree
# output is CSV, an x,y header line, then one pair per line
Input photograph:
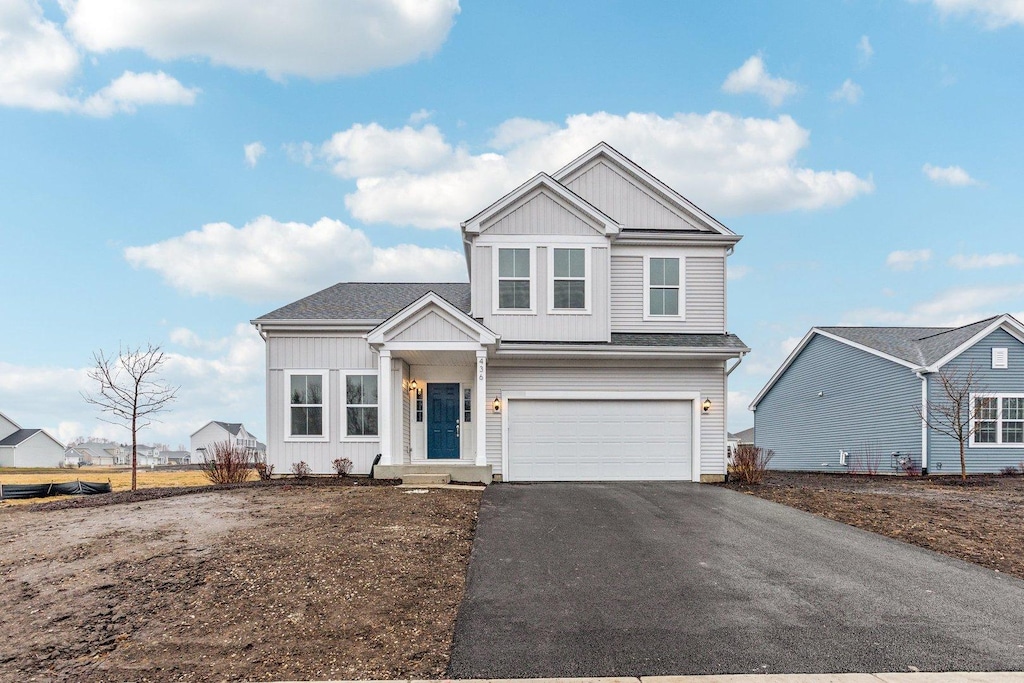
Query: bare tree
x,y
130,391
955,414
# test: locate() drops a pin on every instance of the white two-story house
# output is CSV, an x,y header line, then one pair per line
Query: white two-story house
x,y
589,344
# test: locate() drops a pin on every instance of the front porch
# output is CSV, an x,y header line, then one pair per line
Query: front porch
x,y
456,472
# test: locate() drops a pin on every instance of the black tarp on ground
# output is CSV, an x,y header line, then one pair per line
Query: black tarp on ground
x,y
71,488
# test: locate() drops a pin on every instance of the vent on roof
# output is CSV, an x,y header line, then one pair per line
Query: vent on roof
x,y
1000,358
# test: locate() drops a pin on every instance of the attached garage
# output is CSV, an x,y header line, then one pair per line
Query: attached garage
x,y
586,436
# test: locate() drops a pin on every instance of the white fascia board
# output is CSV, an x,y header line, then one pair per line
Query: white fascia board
x,y
643,175
1006,322
642,238
486,336
624,352
608,224
804,342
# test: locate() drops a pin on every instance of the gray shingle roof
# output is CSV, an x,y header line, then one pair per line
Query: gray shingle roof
x,y
368,300
918,345
18,436
231,427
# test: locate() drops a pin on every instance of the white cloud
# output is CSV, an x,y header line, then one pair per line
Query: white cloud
x,y
311,38
727,164
753,77
220,378
976,261
848,92
420,116
993,14
737,272
865,49
269,260
953,176
253,152
129,90
953,307
38,64
908,260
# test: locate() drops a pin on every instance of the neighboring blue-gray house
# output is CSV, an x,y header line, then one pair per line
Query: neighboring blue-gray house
x,y
848,398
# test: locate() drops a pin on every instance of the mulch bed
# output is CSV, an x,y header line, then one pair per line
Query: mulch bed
x,y
978,521
316,579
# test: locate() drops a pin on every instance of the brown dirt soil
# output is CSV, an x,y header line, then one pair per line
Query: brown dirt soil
x,y
978,521
256,582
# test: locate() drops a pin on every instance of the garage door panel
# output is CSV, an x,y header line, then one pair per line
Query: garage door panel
x,y
595,440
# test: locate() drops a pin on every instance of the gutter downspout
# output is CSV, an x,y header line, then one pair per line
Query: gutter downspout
x,y
736,364
924,421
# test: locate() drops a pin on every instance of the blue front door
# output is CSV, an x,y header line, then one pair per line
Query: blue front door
x,y
442,421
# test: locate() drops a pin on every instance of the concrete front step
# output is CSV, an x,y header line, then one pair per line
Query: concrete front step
x,y
424,479
458,471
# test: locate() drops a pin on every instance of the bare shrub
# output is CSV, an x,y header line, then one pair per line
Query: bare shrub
x,y
226,464
750,463
301,470
1009,471
264,470
867,460
343,466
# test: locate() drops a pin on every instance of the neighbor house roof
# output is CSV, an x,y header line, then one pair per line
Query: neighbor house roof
x,y
18,436
370,301
920,349
744,436
231,427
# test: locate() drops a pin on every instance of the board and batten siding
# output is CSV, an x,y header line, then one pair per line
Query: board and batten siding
x,y
623,198
615,376
316,352
944,451
543,326
703,288
539,214
431,327
866,408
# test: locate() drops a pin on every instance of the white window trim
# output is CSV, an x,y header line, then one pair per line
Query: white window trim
x,y
325,376
682,287
532,310
999,421
344,435
587,280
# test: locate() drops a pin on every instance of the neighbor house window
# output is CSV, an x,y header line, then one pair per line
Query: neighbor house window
x,y
569,273
998,419
306,405
663,278
361,405
514,279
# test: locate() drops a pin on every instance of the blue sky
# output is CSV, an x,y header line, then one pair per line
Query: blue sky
x,y
167,175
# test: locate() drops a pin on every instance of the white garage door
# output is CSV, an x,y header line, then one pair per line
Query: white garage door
x,y
599,440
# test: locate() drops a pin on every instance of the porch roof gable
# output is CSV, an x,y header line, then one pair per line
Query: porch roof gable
x,y
431,320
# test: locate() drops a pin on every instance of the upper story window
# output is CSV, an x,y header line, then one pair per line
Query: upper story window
x,y
361,405
997,420
306,405
662,283
514,279
569,278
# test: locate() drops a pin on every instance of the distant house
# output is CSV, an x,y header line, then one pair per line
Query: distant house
x,y
27,447
176,457
848,398
234,433
741,438
103,454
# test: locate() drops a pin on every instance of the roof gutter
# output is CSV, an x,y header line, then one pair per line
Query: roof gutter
x,y
511,350
739,359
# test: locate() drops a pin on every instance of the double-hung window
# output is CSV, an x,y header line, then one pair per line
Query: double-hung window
x,y
997,419
361,405
569,279
514,279
307,405
663,287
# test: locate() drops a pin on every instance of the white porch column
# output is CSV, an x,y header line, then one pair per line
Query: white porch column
x,y
384,405
481,407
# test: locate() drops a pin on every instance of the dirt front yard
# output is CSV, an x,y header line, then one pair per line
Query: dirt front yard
x,y
264,582
978,522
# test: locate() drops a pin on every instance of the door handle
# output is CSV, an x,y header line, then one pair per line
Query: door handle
x,y
456,428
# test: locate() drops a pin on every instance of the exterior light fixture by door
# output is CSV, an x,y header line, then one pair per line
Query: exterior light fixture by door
x,y
497,404
412,385
706,405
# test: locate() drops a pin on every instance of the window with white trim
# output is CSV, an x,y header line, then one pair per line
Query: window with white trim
x,y
306,405
569,278
361,405
997,419
663,286
514,279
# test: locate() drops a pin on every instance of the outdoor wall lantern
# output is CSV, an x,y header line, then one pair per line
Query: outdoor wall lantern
x,y
412,385
706,405
497,403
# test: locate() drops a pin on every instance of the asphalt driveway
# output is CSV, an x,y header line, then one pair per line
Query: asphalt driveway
x,y
572,580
